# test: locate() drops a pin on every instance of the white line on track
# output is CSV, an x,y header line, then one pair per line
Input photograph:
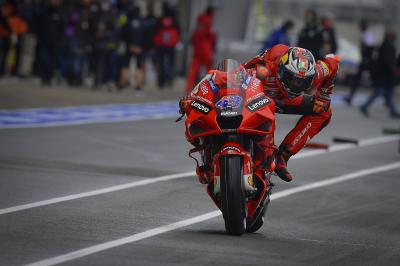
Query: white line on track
x,y
147,181
139,183
342,147
170,227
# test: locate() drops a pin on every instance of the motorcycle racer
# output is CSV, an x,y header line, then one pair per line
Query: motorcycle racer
x,y
299,85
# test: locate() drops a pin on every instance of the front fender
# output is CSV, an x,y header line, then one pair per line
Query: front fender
x,y
233,148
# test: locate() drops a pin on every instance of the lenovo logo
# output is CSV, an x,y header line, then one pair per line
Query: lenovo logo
x,y
257,104
200,107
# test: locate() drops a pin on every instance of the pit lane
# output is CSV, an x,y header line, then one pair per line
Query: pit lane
x,y
354,222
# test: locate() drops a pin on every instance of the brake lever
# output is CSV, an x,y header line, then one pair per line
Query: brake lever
x,y
180,118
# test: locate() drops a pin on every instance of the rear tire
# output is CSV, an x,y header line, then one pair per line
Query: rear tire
x,y
233,202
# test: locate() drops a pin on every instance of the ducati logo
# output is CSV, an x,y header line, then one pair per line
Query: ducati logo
x,y
229,113
297,139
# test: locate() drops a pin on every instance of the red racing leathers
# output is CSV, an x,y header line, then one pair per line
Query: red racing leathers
x,y
314,104
203,40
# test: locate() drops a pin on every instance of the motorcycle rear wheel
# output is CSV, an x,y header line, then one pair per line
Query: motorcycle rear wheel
x,y
233,203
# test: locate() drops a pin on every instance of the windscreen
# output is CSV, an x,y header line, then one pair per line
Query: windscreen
x,y
235,74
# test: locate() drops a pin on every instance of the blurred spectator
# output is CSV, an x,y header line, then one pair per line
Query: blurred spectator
x,y
367,46
165,39
329,44
384,76
50,40
311,35
133,36
13,41
104,55
5,35
34,13
278,36
78,42
203,41
149,27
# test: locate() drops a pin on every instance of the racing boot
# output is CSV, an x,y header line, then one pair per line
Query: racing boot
x,y
282,158
267,155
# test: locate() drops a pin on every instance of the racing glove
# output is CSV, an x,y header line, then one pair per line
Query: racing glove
x,y
259,72
184,104
322,99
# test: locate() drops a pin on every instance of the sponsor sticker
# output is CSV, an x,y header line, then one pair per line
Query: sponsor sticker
x,y
204,88
250,180
201,107
203,99
258,104
258,95
255,84
325,68
195,90
246,83
230,101
232,148
214,88
229,113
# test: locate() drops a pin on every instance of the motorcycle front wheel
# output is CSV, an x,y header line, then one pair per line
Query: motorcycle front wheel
x,y
233,203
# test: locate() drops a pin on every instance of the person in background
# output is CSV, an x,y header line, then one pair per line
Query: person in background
x,y
5,35
310,36
132,35
278,36
19,28
165,40
149,28
329,44
50,40
384,76
367,47
72,48
34,12
78,42
104,53
203,40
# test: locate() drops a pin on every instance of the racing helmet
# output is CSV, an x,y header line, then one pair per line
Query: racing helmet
x,y
296,70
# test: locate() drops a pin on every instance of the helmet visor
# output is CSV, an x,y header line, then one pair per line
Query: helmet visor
x,y
293,83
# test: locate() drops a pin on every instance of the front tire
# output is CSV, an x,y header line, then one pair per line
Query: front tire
x,y
233,203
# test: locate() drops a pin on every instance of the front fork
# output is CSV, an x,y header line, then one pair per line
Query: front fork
x,y
255,180
229,149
